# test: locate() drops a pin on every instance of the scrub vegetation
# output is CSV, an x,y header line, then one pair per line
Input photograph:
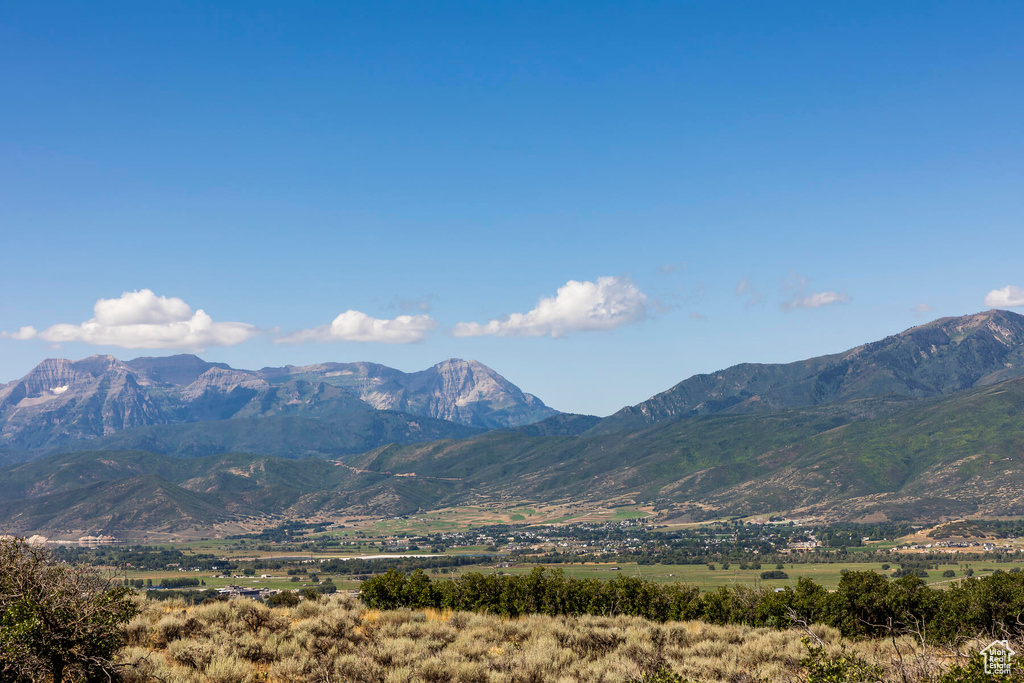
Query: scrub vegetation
x,y
339,639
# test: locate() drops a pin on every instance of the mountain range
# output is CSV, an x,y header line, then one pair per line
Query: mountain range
x,y
63,404
925,424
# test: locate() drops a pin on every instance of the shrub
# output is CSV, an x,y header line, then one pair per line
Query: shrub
x,y
62,619
283,599
253,614
843,667
230,669
195,654
774,574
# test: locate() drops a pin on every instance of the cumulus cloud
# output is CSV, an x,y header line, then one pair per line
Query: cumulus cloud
x,y
142,307
1010,296
922,308
357,326
698,316
143,320
802,298
27,332
814,300
576,307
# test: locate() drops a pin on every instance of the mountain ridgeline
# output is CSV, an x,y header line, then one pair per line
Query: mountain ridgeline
x,y
941,357
923,425
62,403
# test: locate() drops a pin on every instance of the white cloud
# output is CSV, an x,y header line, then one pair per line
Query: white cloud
x,y
576,307
143,320
805,299
1010,296
141,308
814,300
357,326
27,332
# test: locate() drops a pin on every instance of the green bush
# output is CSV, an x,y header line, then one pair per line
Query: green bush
x,y
283,599
864,604
774,574
838,668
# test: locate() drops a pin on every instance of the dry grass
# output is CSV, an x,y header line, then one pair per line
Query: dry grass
x,y
340,640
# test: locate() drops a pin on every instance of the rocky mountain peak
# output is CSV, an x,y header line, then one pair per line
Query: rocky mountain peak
x,y
177,370
222,380
57,375
992,320
95,396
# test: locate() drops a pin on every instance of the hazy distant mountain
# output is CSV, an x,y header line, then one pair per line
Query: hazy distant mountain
x,y
941,357
62,401
285,437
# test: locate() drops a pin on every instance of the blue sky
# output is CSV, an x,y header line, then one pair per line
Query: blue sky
x,y
691,185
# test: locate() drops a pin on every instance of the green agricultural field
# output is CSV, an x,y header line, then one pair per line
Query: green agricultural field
x,y
622,514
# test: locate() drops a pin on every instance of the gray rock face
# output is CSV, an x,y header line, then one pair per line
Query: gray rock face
x,y
174,370
62,400
87,398
466,392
